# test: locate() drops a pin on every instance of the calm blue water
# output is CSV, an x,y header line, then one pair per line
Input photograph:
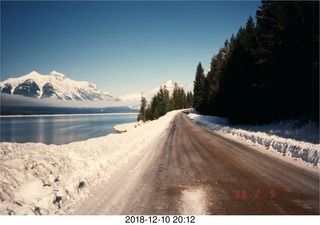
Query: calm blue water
x,y
60,129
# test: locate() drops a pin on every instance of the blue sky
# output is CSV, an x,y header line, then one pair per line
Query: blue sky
x,y
123,47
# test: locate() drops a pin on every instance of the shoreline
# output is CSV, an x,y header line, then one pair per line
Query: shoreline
x,y
53,179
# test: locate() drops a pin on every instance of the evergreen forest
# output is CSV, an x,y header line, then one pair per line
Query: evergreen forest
x,y
162,102
268,71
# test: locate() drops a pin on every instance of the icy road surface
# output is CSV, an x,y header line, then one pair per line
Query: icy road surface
x,y
193,170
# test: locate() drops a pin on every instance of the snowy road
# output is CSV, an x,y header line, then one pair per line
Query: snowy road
x,y
192,170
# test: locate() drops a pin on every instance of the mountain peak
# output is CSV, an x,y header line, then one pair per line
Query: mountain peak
x,y
54,72
170,84
33,73
55,85
58,75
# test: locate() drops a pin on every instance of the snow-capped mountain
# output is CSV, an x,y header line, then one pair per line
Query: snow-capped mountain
x,y
149,94
58,86
54,85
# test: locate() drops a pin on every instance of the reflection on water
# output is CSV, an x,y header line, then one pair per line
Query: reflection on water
x,y
57,129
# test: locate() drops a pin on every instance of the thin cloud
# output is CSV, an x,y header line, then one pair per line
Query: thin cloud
x,y
22,101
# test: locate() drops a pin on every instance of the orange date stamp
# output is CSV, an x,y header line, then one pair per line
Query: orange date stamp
x,y
257,194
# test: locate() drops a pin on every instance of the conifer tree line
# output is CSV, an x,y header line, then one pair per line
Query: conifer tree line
x,y
161,103
268,71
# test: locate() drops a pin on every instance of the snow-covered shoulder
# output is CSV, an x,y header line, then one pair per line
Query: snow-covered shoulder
x,y
289,140
50,179
126,127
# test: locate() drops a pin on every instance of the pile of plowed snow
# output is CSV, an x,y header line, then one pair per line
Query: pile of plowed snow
x,y
49,179
299,142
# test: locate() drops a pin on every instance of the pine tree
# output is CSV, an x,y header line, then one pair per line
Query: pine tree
x,y
143,107
178,97
215,76
160,104
148,113
189,100
163,101
154,108
199,90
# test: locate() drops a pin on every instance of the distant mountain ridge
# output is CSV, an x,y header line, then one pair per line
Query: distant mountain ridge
x,y
57,85
54,85
149,94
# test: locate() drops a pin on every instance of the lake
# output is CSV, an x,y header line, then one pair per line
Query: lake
x,y
60,129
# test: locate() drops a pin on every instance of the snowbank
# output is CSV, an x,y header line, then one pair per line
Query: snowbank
x,y
126,127
49,179
297,142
